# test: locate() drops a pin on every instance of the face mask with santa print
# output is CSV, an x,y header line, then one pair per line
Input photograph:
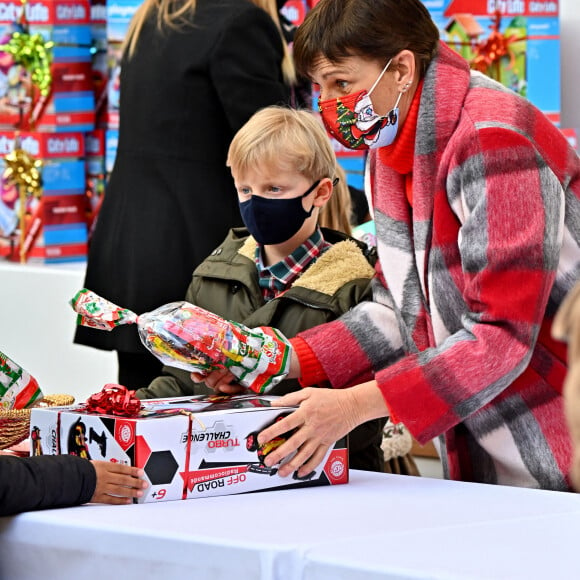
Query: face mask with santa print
x,y
353,122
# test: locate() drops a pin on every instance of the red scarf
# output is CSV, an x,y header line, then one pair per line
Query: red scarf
x,y
400,155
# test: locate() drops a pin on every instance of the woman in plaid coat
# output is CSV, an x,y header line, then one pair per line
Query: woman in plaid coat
x,y
476,201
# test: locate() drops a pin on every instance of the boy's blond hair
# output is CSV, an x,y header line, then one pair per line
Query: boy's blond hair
x,y
288,139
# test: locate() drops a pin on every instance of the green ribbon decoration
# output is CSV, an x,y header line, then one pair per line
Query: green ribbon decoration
x,y
34,53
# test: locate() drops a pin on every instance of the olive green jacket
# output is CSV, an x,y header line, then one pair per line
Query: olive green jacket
x,y
226,283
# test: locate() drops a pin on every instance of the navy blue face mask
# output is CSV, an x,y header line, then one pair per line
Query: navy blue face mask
x,y
273,221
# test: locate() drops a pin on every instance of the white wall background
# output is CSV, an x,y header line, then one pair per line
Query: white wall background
x,y
570,52
37,328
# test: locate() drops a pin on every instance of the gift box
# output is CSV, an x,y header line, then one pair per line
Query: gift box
x,y
70,105
95,175
188,447
65,25
111,145
294,11
55,225
60,16
114,55
517,42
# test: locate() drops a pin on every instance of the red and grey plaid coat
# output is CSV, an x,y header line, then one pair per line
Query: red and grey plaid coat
x,y
467,284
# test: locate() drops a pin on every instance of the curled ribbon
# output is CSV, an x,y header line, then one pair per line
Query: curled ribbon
x,y
489,53
114,400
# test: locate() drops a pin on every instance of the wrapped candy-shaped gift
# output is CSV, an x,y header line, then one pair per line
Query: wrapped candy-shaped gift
x,y
18,389
185,336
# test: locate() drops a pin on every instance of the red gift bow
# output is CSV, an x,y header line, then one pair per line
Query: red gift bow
x,y
114,400
489,52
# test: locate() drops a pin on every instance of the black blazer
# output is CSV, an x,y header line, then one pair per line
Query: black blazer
x,y
47,481
170,199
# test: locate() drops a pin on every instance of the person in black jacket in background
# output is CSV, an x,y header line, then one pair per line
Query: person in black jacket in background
x,y
54,481
192,73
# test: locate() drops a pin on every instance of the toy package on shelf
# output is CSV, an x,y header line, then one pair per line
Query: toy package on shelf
x,y
294,11
54,91
53,227
189,447
119,15
114,52
95,175
517,42
111,144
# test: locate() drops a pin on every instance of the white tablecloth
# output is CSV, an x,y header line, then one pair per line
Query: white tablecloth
x,y
376,526
538,547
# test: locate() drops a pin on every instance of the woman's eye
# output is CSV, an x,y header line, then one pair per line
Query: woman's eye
x,y
244,191
342,85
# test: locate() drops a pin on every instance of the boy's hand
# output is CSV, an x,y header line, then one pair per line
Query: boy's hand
x,y
221,381
117,483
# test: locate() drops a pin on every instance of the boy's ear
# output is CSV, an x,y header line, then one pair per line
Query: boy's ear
x,y
323,192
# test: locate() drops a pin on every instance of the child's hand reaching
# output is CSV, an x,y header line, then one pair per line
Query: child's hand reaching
x,y
117,483
221,381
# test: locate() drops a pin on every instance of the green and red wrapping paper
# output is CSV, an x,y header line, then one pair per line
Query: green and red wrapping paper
x,y
185,336
18,389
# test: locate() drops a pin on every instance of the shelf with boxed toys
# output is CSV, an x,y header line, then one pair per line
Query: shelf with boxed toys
x,y
515,42
55,91
54,227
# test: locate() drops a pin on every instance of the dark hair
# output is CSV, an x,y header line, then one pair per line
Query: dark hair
x,y
372,29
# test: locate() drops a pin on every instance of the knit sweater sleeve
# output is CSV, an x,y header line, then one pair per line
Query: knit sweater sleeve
x,y
311,371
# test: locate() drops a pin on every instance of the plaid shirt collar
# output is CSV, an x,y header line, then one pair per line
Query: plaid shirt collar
x,y
278,277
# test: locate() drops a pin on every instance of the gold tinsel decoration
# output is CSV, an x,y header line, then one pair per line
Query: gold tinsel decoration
x,y
24,172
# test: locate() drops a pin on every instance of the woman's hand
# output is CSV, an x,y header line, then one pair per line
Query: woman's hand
x,y
323,417
117,483
221,381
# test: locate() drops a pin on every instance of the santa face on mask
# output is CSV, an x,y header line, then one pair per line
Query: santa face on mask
x,y
353,121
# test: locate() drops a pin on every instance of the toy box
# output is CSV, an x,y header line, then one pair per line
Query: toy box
x,y
119,15
95,175
55,225
188,447
517,42
114,54
70,104
60,16
111,144
294,11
